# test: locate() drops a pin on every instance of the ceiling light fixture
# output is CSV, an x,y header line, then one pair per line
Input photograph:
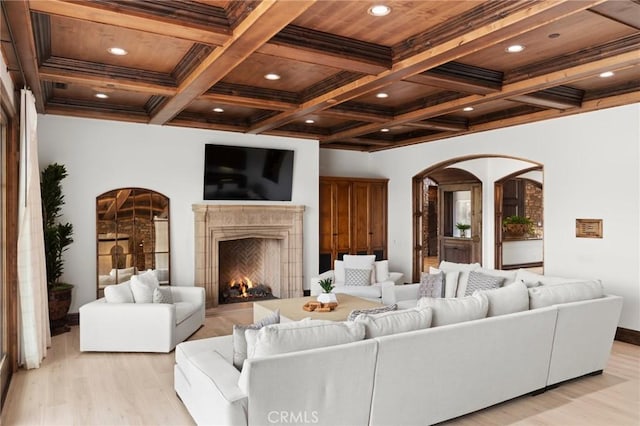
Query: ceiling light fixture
x,y
101,95
118,51
515,48
382,95
607,74
309,121
272,76
218,109
467,109
379,10
385,130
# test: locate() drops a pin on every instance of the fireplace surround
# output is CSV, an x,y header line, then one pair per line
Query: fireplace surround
x,y
219,223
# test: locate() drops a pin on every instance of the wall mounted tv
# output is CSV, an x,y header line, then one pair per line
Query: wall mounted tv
x,y
243,173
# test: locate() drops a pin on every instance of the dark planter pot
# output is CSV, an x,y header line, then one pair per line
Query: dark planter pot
x,y
59,304
516,229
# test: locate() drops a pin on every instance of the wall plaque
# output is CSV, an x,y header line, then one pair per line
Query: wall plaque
x,y
589,228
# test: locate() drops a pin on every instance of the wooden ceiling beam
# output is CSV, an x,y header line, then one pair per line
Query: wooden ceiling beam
x,y
521,21
115,205
513,90
246,101
255,30
439,124
147,22
19,16
545,102
449,83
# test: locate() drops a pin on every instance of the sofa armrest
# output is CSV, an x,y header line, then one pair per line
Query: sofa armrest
x,y
398,293
315,288
191,294
396,277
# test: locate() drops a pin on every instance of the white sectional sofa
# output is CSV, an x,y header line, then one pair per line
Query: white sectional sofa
x,y
380,277
415,377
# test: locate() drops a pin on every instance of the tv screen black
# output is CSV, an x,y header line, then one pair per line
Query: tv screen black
x,y
243,173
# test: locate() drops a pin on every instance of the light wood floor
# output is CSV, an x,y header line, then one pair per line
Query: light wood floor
x,y
103,389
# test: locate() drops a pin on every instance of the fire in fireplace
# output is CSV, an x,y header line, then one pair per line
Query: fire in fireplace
x,y
242,289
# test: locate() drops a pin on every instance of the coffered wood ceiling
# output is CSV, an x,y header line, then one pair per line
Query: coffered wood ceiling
x,y
432,59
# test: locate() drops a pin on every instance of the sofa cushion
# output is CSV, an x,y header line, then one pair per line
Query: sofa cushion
x,y
547,295
479,281
240,340
450,280
531,279
508,299
338,272
450,311
463,277
119,293
142,286
353,314
509,276
301,335
407,304
162,295
359,277
366,291
184,310
381,270
392,322
431,285
360,262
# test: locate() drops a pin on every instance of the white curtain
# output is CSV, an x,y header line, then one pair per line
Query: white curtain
x,y
34,332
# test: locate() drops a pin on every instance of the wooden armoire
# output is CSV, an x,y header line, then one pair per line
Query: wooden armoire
x,y
353,218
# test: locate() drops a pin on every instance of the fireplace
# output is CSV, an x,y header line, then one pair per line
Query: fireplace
x,y
224,228
248,269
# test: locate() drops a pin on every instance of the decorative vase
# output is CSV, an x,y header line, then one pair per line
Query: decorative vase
x,y
327,298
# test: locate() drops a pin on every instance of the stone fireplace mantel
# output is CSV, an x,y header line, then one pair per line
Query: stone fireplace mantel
x,y
215,223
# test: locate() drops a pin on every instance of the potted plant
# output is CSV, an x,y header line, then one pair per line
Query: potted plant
x,y
326,296
517,226
57,237
463,229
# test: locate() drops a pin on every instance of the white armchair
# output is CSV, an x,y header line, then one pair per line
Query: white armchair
x,y
142,327
380,277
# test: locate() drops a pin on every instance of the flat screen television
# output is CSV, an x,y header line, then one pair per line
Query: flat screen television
x,y
244,173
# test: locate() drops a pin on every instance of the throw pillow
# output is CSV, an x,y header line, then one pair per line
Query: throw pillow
x,y
357,276
509,276
240,340
431,285
463,270
301,335
360,262
506,300
450,311
118,293
392,322
143,285
353,314
450,281
480,281
162,295
531,279
338,272
547,295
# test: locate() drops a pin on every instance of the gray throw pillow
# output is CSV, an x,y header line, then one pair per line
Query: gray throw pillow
x,y
357,276
240,341
480,281
162,295
431,285
371,311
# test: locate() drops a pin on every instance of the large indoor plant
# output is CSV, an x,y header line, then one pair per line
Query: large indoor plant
x,y
57,237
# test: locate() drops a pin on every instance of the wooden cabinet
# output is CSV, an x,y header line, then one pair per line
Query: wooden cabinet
x,y
353,218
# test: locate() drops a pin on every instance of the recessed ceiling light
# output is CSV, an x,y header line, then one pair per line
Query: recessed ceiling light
x,y
606,74
467,109
385,130
118,51
218,109
514,48
309,121
101,95
379,10
272,76
382,95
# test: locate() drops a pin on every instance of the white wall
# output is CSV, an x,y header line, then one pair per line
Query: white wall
x,y
591,170
101,155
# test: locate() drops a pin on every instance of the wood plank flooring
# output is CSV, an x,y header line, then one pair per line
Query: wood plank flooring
x,y
104,389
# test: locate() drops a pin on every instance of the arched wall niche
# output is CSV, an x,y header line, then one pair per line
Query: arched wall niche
x,y
488,169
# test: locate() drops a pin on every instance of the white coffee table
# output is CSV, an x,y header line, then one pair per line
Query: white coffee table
x,y
291,309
